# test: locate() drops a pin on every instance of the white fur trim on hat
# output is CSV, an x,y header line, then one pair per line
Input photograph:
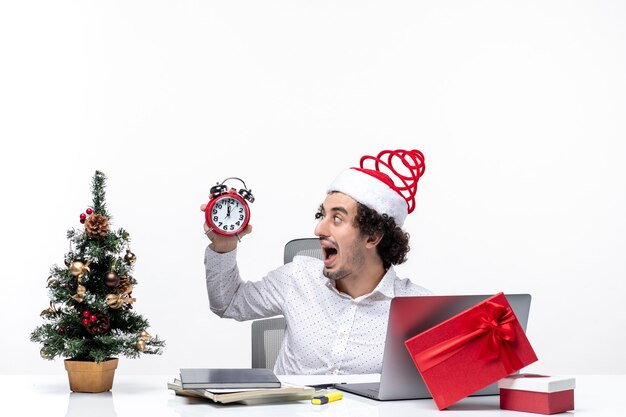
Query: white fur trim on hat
x,y
372,193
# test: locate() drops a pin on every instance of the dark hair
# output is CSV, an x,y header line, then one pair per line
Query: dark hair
x,y
394,245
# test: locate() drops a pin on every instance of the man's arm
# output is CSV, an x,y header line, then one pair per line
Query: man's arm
x,y
231,297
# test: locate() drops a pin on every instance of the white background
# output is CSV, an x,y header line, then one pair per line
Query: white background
x,y
518,106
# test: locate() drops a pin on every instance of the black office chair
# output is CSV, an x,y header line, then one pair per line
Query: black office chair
x,y
267,334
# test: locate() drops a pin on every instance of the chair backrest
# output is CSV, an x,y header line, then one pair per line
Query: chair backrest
x,y
309,246
267,334
267,337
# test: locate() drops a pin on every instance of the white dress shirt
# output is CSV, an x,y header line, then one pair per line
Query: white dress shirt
x,y
328,332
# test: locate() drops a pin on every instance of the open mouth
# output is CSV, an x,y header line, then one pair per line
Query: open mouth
x,y
330,254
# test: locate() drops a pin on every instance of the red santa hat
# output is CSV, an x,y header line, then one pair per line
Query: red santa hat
x,y
388,186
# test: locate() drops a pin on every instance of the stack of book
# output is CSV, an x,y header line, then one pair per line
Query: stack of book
x,y
246,386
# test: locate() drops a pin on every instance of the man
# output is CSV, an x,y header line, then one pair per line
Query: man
x,y
336,309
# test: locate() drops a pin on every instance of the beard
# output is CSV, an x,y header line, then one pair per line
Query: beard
x,y
354,256
337,275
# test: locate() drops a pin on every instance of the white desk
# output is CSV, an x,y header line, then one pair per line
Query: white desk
x,y
148,396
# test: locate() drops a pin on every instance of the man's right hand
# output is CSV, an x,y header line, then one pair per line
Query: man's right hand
x,y
223,244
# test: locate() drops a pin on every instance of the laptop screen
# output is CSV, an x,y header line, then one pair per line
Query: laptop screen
x,y
409,316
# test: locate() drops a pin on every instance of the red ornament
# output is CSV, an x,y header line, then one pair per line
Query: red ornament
x,y
83,216
86,313
89,210
85,322
82,221
93,318
61,330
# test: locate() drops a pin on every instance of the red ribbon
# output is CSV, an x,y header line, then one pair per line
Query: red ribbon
x,y
492,322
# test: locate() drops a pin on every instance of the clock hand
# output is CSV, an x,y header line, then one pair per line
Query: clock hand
x,y
228,210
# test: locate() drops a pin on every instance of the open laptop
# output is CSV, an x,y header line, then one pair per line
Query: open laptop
x,y
408,316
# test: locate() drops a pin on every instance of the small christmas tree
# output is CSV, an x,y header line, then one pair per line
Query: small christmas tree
x,y
91,316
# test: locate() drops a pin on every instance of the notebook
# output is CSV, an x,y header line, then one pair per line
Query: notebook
x,y
408,316
240,378
285,393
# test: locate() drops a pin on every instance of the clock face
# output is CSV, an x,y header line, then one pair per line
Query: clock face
x,y
227,215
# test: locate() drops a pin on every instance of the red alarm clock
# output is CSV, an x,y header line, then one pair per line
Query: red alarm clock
x,y
227,212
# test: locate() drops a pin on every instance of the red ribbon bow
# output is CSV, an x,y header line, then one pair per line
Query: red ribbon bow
x,y
494,323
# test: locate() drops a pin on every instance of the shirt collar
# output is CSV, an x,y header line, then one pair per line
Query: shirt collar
x,y
385,287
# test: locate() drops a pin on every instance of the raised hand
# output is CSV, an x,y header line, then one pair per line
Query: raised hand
x,y
221,243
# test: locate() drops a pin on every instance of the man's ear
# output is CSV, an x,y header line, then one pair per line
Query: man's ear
x,y
373,240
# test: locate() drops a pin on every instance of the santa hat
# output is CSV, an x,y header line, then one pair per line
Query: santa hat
x,y
389,186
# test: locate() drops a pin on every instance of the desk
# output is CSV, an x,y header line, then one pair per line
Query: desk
x,y
147,396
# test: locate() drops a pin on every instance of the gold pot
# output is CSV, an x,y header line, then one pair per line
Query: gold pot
x,y
87,376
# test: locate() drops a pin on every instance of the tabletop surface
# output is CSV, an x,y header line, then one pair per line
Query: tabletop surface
x,y
147,395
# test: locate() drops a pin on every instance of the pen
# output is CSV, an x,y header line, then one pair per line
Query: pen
x,y
328,398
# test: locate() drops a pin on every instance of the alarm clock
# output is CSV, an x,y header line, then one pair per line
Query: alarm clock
x,y
227,212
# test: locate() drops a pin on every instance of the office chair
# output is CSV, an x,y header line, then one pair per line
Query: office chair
x,y
309,246
267,334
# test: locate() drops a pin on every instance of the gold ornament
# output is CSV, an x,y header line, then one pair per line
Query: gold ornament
x,y
78,269
144,338
130,257
80,293
116,301
141,345
124,287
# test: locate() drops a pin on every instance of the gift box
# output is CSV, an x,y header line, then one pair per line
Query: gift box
x,y
470,351
534,393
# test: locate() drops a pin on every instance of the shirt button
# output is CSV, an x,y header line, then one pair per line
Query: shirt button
x,y
333,368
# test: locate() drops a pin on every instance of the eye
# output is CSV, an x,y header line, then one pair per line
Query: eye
x,y
337,219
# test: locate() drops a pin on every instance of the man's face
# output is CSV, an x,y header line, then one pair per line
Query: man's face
x,y
342,243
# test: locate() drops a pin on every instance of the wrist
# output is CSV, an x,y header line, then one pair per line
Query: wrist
x,y
222,247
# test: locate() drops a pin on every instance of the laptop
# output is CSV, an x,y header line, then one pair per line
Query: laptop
x,y
408,316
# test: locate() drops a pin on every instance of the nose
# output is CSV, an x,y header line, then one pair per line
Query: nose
x,y
321,228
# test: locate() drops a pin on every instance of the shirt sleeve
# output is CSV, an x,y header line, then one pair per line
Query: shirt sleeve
x,y
232,297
